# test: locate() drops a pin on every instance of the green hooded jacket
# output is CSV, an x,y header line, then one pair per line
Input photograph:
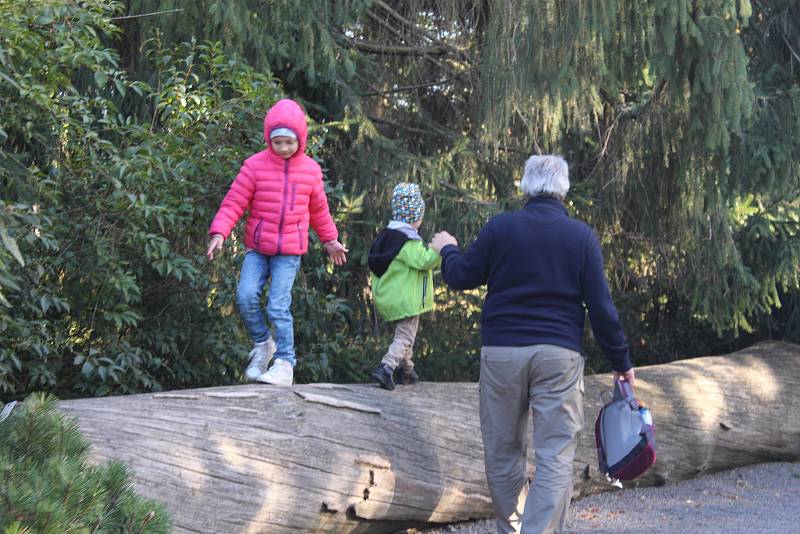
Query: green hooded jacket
x,y
402,275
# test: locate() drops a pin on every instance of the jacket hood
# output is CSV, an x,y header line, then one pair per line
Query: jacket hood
x,y
404,227
287,113
383,250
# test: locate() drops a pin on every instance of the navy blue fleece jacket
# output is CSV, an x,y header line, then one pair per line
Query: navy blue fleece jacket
x,y
541,266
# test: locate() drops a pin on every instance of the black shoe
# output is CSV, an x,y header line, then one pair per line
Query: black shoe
x,y
383,376
408,376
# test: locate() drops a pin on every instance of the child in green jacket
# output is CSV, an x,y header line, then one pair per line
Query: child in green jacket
x,y
402,281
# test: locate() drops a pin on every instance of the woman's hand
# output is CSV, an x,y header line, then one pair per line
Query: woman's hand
x,y
336,252
214,244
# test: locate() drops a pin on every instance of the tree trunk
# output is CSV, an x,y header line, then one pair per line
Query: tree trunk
x,y
356,458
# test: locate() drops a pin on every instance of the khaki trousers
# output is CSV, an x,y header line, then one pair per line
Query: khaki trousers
x,y
402,348
547,381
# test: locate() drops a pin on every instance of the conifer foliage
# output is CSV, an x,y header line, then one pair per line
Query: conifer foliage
x,y
679,119
123,123
48,486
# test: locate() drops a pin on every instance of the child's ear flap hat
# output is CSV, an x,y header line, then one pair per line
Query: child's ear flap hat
x,y
407,203
282,132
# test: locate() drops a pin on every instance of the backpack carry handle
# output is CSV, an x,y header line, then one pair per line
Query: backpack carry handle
x,y
624,391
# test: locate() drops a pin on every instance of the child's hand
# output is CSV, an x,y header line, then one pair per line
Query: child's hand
x,y
214,244
336,252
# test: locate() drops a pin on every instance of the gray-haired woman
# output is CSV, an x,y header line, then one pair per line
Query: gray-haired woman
x,y
541,267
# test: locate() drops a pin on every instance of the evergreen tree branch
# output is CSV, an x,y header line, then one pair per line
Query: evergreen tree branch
x,y
146,14
393,49
419,86
388,27
451,135
791,49
462,192
398,125
397,16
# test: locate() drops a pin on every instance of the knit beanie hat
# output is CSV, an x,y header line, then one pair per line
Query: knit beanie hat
x,y
407,203
282,132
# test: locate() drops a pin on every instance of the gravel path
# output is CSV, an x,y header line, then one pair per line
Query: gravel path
x,y
760,499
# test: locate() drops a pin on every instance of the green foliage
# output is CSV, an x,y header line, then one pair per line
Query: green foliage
x,y
41,47
299,42
47,484
104,213
118,138
666,85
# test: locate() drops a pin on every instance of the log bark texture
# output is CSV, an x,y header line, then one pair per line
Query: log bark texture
x,y
356,458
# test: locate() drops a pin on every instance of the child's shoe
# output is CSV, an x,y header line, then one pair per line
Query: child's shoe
x,y
280,374
408,376
260,357
383,376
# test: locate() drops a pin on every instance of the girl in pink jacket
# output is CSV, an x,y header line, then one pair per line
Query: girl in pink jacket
x,y
282,189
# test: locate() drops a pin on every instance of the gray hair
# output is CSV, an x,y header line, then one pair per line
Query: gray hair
x,y
545,176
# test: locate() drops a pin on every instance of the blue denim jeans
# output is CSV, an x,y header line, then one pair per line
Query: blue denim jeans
x,y
281,270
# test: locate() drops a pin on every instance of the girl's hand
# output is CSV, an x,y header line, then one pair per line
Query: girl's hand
x,y
214,244
336,252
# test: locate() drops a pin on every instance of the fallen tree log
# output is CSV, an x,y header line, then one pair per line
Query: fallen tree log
x,y
355,458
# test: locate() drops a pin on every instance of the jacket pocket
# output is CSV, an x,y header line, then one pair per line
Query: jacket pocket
x,y
424,289
559,353
257,233
495,355
299,233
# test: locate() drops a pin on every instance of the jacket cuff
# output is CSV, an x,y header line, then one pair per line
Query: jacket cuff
x,y
449,248
622,364
329,239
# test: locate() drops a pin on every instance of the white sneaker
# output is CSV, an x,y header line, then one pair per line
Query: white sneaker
x,y
260,357
280,374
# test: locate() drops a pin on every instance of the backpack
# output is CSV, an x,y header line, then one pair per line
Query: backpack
x,y
625,436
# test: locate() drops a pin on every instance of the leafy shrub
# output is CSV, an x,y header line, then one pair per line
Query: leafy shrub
x,y
109,185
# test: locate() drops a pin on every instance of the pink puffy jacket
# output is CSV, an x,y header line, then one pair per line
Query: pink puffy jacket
x,y
284,196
